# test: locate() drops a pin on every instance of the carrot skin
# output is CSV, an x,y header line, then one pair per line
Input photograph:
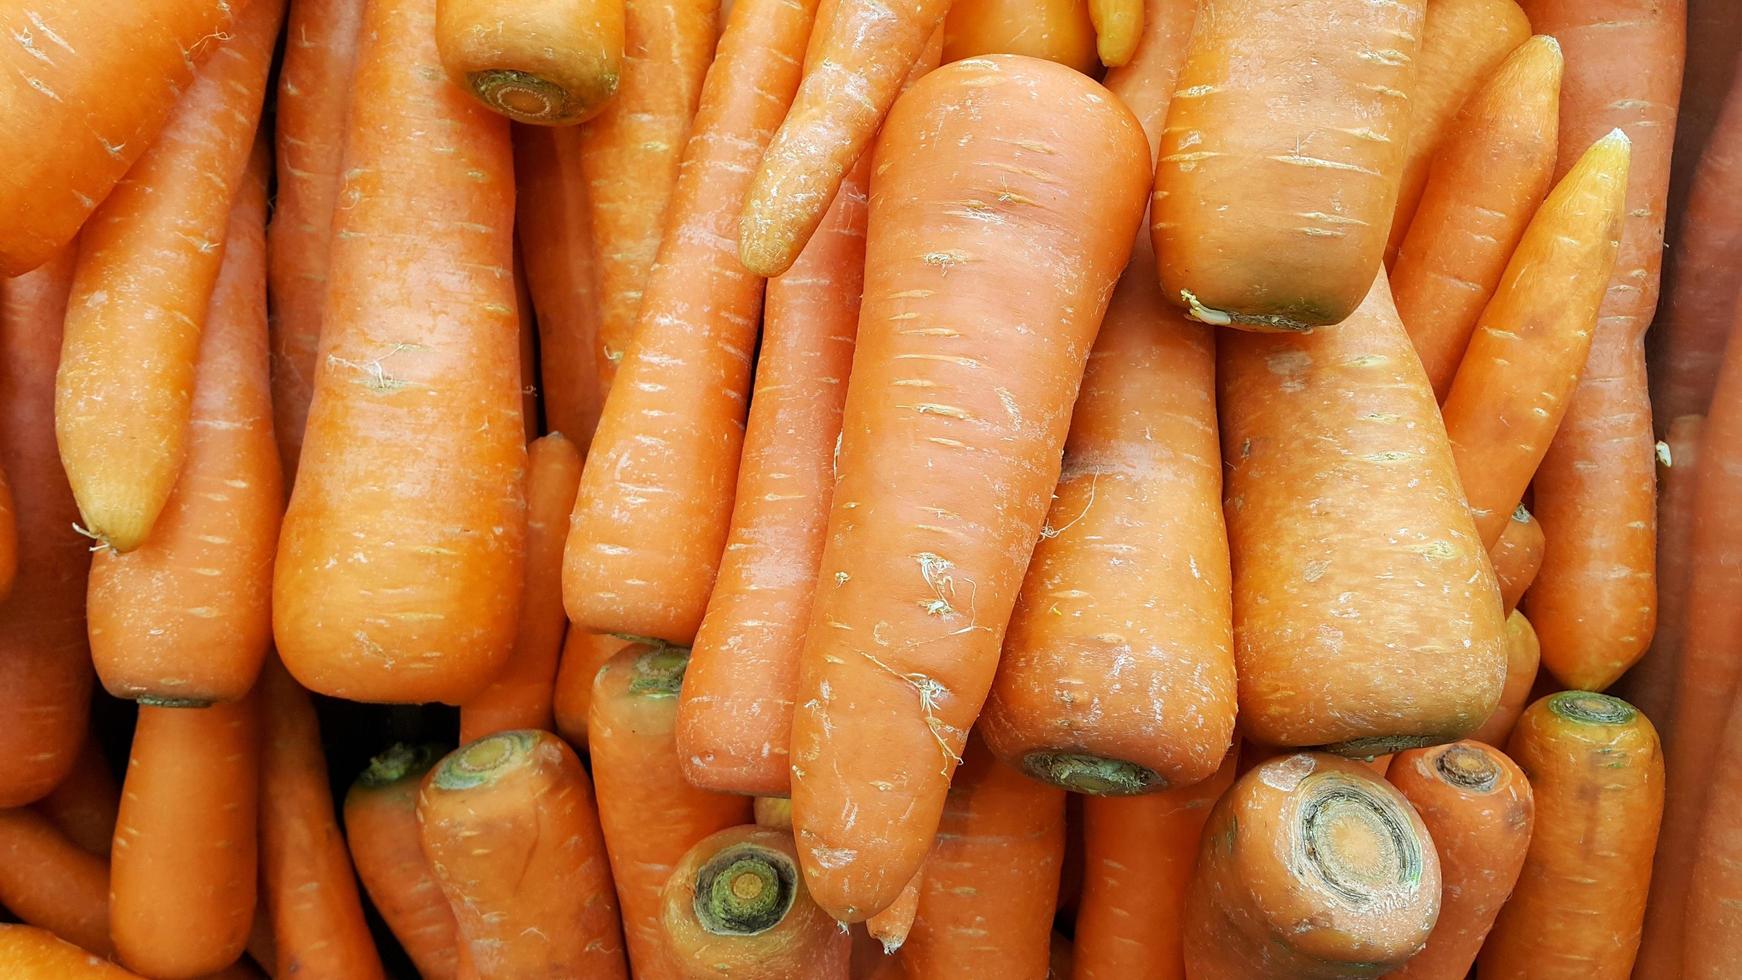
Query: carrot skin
x,y
83,805
1517,557
553,63
1713,933
381,833
1118,29
1650,685
1523,660
1057,30
894,924
583,653
51,882
36,954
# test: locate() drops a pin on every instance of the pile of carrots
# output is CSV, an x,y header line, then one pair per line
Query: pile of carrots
x,y
893,488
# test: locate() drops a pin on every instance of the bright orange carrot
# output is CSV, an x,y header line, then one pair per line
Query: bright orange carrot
x,y
554,63
1650,685
1523,658
1516,557
45,672
1487,178
1713,931
584,652
1146,82
83,805
894,924
148,259
381,832
399,566
511,833
1057,30
1118,29
35,954
51,882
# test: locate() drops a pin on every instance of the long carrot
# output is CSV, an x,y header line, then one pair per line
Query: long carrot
x,y
381,832
148,259
1594,602
1490,173
1650,685
1139,855
970,352
1478,808
1517,556
1365,614
1311,866
1057,30
84,804
306,880
51,882
1523,658
314,89
1712,932
87,88
399,565
554,63
45,671
584,652
36,954
1597,773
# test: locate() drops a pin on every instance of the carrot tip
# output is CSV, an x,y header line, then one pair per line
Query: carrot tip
x,y
397,763
1468,768
1092,775
1521,514
484,760
102,543
1591,708
745,890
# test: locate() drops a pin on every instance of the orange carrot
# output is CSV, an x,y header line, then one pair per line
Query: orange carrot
x,y
84,804
584,652
1651,685
1711,934
1523,658
314,90
399,565
894,924
1118,29
1597,773
148,259
1057,30
1516,557
1146,82
49,881
554,63
45,672
527,355
510,831
1487,178
773,811
35,954
381,831
8,539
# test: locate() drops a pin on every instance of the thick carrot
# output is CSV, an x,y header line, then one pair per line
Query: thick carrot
x,y
148,259
314,89
554,63
584,652
1118,29
970,351
1597,773
1713,933
87,88
399,566
1365,614
1494,164
1139,855
510,831
1523,658
736,907
1516,557
1594,602
83,805
306,881
51,882
1650,685
382,834
1057,30
650,814
1280,159
1310,866
45,671
1531,341
1478,809
36,954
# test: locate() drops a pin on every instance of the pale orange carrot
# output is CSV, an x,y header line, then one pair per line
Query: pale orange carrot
x,y
83,805
584,652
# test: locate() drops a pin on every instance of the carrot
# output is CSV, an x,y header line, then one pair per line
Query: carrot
x,y
736,906
584,652
1523,658
556,246
45,672
382,834
1531,341
1310,866
314,88
131,343
1057,30
1711,936
317,918
511,833
527,355
1594,602
1487,178
1710,69
1139,858
1597,773
521,695
772,811
1516,557
35,954
1650,685
400,561
8,539
1463,42
1365,615
1478,809
553,63
630,156
1146,82
83,805
650,814
1118,29
986,902
894,924
955,417
1274,179
49,881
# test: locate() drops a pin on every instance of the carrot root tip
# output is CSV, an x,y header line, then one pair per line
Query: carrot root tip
x,y
1202,313
484,760
1359,843
1377,745
1591,708
745,890
397,763
1467,768
1092,775
521,96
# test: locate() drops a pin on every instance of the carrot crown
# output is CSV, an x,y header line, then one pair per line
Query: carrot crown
x,y
744,890
658,671
1358,843
1591,708
485,760
399,762
1091,774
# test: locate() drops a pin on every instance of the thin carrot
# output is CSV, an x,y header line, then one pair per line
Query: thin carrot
x,y
1650,685
1491,171
1516,557
894,924
51,882
773,811
1523,660
45,671
1478,809
584,652
1146,82
1713,932
510,830
1597,772
736,907
1118,29
1057,30
36,954
381,832
554,63
314,90
83,805
132,338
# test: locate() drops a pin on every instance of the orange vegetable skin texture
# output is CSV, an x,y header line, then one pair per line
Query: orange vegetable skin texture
x,y
972,339
87,87
382,832
8,539
1365,612
1650,685
584,652
1057,30
399,566
83,804
49,881
1523,658
1713,930
1516,557
551,62
37,955
1280,160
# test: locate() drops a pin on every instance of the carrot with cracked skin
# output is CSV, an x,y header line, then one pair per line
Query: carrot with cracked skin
x,y
1523,660
1478,808
399,565
1650,685
583,653
83,805
148,259
45,670
1516,557
1118,29
1138,857
520,800
1597,772
382,835
1365,613
1713,932
1057,30
553,63
651,522
37,954
1492,169
51,882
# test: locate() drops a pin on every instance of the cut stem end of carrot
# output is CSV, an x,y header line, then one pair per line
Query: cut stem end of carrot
x,y
397,763
1467,768
153,701
1359,844
1591,708
1372,748
522,97
1092,775
484,760
659,672
745,890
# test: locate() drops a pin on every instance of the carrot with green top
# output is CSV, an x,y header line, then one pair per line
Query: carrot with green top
x,y
49,881
381,832
1517,556
553,63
